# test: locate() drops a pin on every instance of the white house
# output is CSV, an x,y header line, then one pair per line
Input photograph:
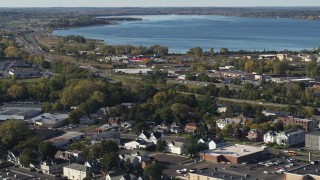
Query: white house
x,y
138,144
176,147
221,123
153,137
75,171
291,137
270,137
135,159
212,143
221,108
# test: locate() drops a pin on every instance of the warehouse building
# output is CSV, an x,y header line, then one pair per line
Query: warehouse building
x,y
234,154
65,139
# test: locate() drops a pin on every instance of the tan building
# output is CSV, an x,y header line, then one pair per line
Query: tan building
x,y
217,174
75,171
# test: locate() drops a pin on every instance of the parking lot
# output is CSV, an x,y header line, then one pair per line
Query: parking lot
x,y
170,163
271,168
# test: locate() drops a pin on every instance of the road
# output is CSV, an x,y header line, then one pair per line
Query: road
x,y
200,83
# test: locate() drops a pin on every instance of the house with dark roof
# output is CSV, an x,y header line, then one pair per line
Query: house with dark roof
x,y
153,137
212,142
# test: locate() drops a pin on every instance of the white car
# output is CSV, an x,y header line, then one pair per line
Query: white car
x,y
280,171
178,171
265,172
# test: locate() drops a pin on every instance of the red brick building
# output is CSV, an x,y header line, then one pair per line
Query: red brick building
x,y
234,154
307,124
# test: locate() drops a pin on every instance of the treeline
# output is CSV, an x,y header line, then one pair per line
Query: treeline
x,y
64,22
9,49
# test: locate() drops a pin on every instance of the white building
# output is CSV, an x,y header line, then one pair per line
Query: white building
x,y
221,123
110,135
291,137
53,120
270,137
138,144
176,147
54,166
212,143
75,171
65,139
153,137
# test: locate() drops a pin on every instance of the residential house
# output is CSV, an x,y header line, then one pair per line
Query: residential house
x,y
239,133
87,120
270,137
109,135
73,156
221,108
126,125
222,123
135,159
191,128
137,144
75,171
153,137
13,157
255,135
291,137
307,124
53,166
175,128
94,166
114,121
312,141
212,142
176,147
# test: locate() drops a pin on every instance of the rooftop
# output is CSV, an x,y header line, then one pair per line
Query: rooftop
x,y
78,167
236,150
67,135
311,169
50,118
292,132
220,174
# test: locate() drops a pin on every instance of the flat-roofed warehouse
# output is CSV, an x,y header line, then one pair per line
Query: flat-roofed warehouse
x,y
53,120
65,139
234,154
18,112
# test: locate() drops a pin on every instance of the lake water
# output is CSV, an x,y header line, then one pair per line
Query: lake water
x,y
180,33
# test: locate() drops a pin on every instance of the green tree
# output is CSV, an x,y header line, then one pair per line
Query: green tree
x,y
128,166
161,146
27,156
110,161
180,111
153,171
11,52
195,52
191,146
16,91
47,150
12,132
